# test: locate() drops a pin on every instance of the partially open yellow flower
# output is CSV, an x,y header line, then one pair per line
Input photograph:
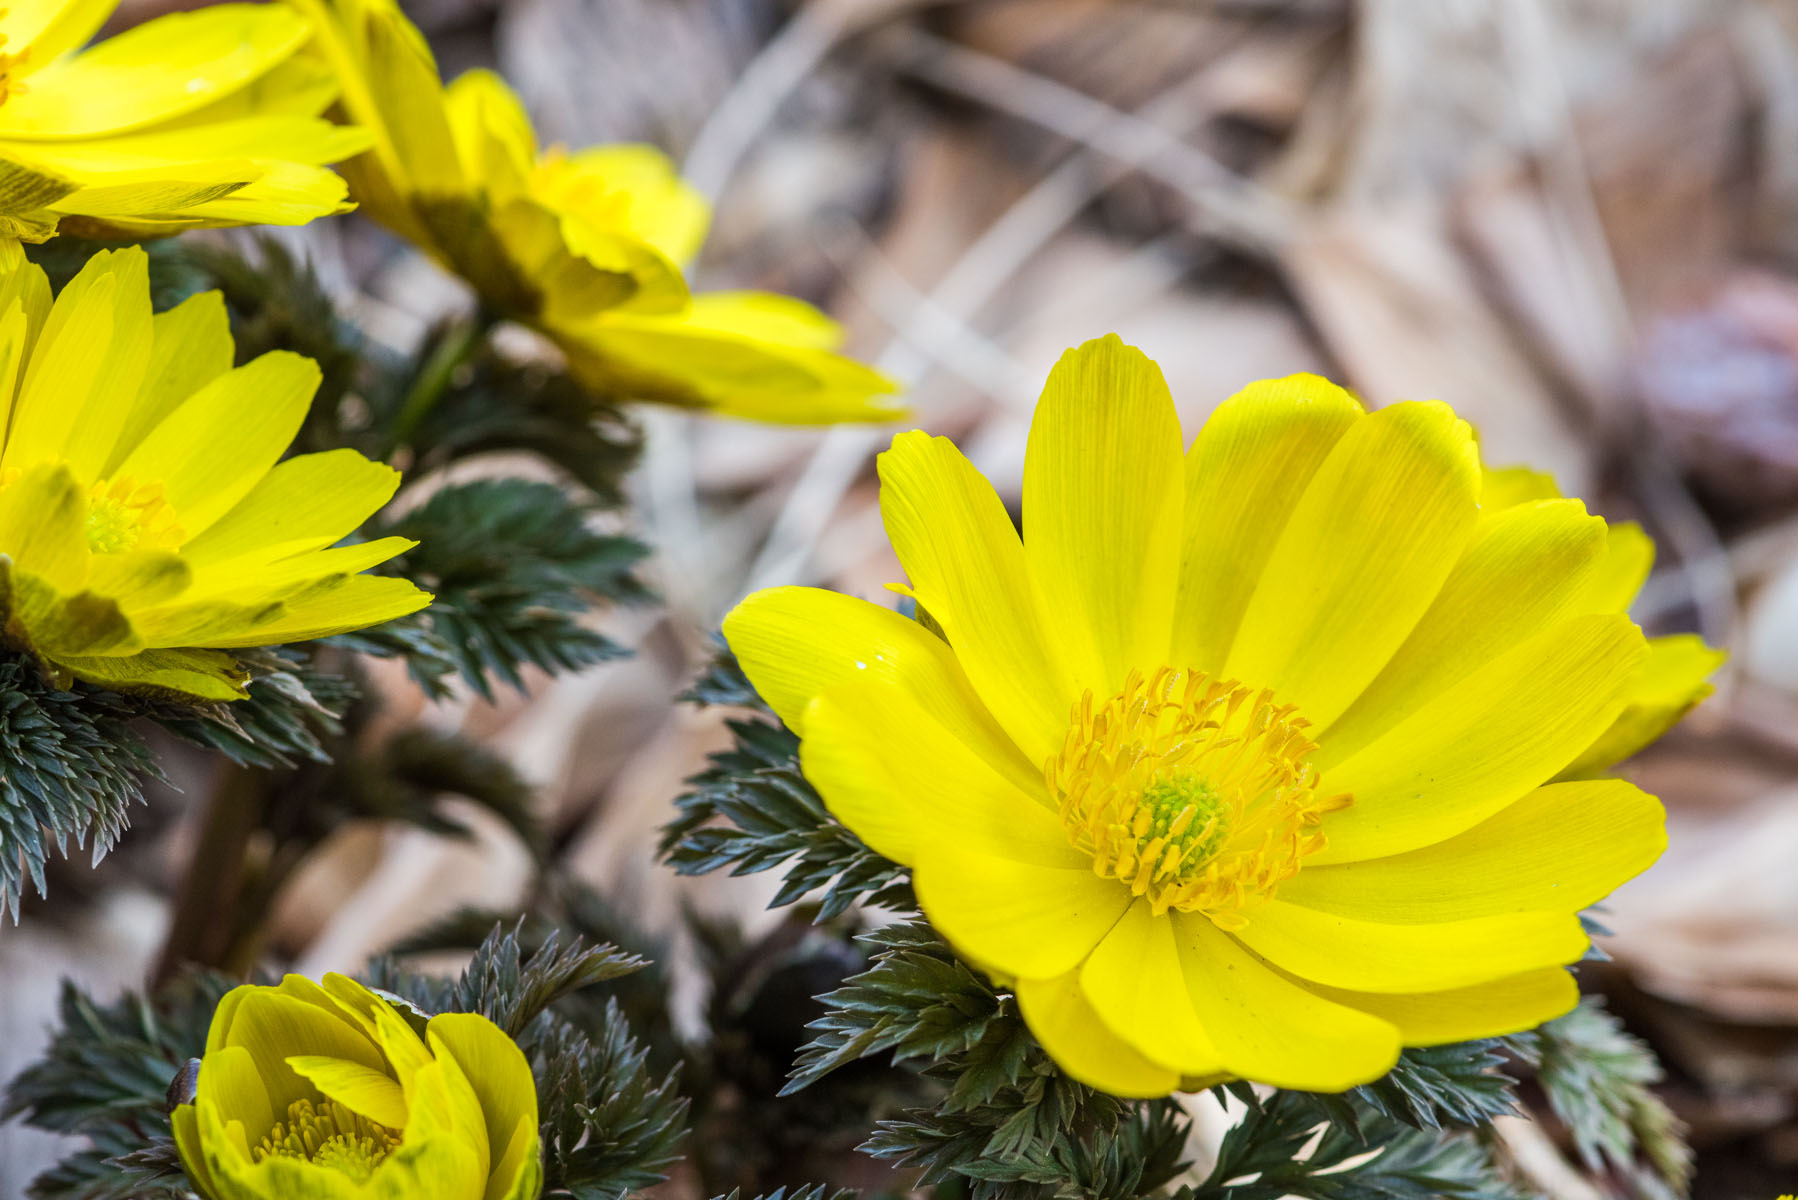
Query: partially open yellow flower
x,y
1242,762
193,119
333,1092
147,525
586,246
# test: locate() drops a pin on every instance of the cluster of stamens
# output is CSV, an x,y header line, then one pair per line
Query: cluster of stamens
x,y
329,1135
1196,794
123,514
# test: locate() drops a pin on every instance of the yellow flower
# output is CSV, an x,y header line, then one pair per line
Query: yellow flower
x,y
193,119
1238,763
585,246
332,1092
146,525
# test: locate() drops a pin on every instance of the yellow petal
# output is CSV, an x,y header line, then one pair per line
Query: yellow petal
x,y
687,358
1527,567
1628,558
500,1076
764,316
1244,476
1503,730
493,134
139,577
190,346
1063,1020
898,777
1369,544
43,526
49,28
306,502
1270,1030
229,1080
1673,680
156,71
1493,1009
1503,487
1103,498
967,568
273,1027
1135,984
1559,849
88,365
184,1123
297,578
1017,918
796,643
214,448
631,189
1371,956
367,1092
352,603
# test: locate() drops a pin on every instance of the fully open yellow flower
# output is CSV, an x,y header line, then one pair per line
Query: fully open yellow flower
x,y
146,525
193,119
1242,762
333,1092
585,246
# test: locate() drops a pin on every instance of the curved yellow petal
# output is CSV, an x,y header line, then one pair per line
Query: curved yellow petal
x,y
202,674
354,602
1559,849
229,1080
190,346
632,189
493,134
1674,679
1135,983
363,1090
1372,956
1492,1009
43,526
213,449
1244,475
1527,567
159,70
87,367
1063,1020
1270,1030
1017,918
967,567
1503,487
306,502
501,1079
1103,500
1628,559
796,643
1367,549
271,1026
49,28
902,794
1504,729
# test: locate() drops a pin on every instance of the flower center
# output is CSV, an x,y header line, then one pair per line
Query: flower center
x,y
329,1135
123,514
1198,795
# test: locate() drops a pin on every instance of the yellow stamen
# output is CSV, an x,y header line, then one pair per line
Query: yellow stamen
x,y
1198,795
329,1135
123,514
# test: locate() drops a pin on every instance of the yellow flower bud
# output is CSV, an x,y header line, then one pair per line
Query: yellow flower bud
x,y
335,1091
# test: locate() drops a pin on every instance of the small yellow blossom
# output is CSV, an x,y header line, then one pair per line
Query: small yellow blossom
x,y
147,526
333,1091
1254,761
193,119
587,245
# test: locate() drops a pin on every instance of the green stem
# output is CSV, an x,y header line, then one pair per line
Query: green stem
x,y
435,376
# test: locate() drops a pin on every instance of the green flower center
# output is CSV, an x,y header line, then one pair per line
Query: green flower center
x,y
1184,814
329,1135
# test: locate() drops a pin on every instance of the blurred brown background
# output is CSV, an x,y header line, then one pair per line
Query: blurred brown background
x,y
1576,220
